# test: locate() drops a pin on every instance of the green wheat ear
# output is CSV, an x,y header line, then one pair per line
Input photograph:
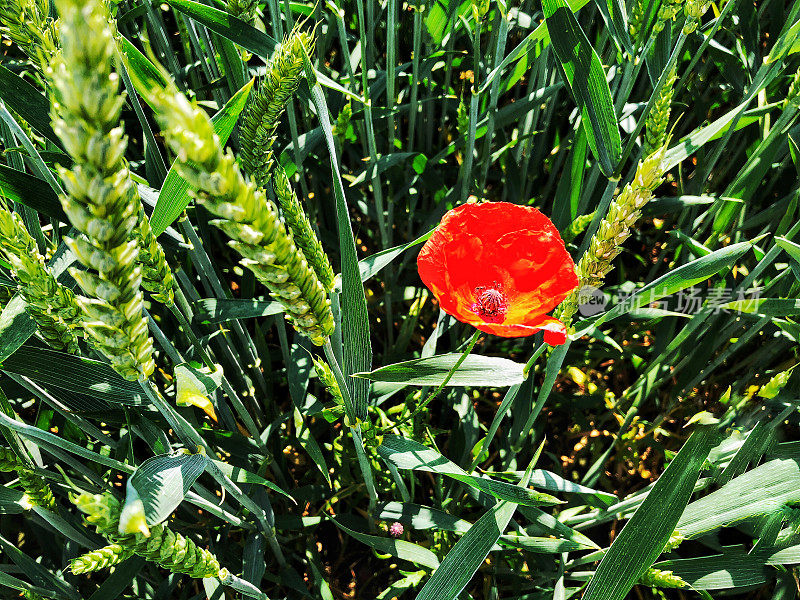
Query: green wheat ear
x,y
51,305
157,277
668,10
606,244
326,377
102,201
793,95
636,20
28,24
694,9
657,121
102,558
242,9
245,214
36,488
661,579
265,107
163,546
304,236
29,595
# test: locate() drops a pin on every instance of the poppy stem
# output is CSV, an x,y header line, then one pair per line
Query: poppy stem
x,y
447,378
536,354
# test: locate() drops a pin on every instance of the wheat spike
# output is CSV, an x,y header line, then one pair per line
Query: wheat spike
x,y
636,20
657,122
295,218
668,10
694,9
661,579
28,24
242,9
606,244
37,490
245,214
102,201
163,546
102,558
265,107
50,304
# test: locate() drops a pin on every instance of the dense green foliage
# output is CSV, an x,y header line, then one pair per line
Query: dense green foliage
x,y
221,373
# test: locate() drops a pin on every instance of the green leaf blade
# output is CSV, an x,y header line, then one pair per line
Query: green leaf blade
x,y
643,537
163,481
587,81
474,371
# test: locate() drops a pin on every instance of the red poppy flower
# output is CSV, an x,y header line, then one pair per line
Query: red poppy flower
x,y
499,267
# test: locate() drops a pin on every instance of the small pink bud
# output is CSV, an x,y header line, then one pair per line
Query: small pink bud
x,y
396,529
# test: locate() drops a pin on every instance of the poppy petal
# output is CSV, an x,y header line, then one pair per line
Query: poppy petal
x,y
499,267
555,333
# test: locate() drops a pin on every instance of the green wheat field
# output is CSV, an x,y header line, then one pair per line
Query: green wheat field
x,y
376,300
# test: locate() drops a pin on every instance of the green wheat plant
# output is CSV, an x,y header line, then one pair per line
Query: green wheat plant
x,y
102,201
247,216
29,25
169,549
37,491
222,374
264,108
50,304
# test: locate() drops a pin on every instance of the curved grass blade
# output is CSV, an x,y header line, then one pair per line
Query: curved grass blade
x,y
474,371
408,454
245,35
676,280
218,310
144,75
373,264
163,481
355,320
471,550
74,373
734,568
399,548
28,103
30,191
762,490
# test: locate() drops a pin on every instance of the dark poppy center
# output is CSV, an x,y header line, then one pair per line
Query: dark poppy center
x,y
490,303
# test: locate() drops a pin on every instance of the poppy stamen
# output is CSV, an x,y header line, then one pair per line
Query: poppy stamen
x,y
490,303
